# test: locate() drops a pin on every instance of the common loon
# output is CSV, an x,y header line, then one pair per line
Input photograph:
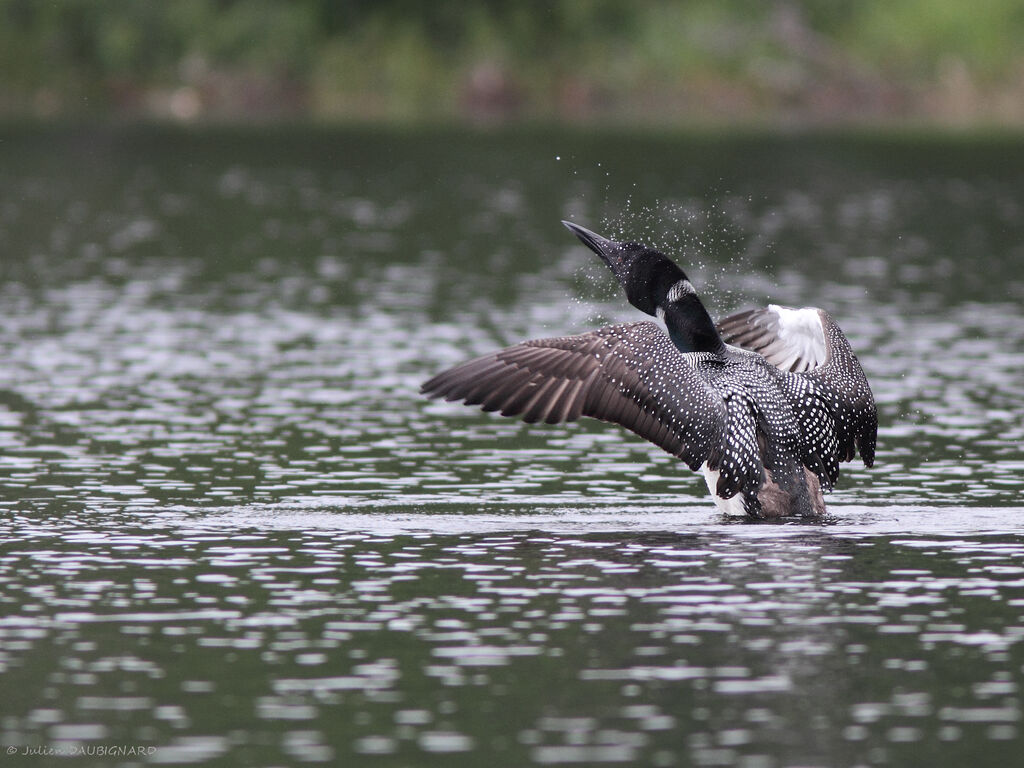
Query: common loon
x,y
765,404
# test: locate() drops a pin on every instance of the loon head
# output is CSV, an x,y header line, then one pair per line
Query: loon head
x,y
645,274
656,285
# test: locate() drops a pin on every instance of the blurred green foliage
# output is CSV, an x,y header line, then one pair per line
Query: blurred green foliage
x,y
497,59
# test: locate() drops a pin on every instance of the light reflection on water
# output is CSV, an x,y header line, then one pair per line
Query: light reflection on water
x,y
124,401
232,529
717,644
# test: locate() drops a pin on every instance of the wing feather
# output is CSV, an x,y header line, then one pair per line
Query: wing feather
x,y
809,344
629,374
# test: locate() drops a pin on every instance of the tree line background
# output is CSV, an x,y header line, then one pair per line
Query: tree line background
x,y
616,61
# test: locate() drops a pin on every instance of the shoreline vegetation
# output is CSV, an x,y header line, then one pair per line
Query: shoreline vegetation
x,y
788,63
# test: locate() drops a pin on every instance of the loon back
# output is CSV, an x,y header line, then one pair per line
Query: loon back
x,y
766,404
808,342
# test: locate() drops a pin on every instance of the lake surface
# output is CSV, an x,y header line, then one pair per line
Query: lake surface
x,y
233,534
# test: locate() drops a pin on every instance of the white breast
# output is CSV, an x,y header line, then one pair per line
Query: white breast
x,y
733,506
801,333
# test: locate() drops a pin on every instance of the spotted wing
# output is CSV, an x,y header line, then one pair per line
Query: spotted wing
x,y
629,374
738,459
807,342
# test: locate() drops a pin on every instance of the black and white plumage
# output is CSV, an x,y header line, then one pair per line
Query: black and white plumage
x,y
766,404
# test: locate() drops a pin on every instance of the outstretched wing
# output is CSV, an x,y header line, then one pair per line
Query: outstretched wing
x,y
808,343
629,374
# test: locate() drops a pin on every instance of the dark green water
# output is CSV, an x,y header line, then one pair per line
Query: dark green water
x,y
232,533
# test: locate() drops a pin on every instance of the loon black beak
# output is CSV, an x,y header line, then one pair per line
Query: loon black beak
x,y
602,246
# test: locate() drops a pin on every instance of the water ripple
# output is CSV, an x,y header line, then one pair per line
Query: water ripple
x,y
234,532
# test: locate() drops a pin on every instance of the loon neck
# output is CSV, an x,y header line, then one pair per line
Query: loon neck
x,y
656,285
690,326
